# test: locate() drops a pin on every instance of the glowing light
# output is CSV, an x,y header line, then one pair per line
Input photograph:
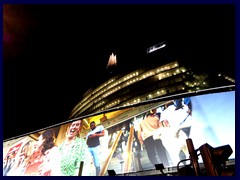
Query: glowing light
x,y
156,47
112,60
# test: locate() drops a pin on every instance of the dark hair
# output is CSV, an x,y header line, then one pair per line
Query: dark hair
x,y
49,137
92,122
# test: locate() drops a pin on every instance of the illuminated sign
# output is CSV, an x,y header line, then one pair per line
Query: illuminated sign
x,y
133,140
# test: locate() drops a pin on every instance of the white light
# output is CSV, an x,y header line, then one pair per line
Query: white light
x,y
156,47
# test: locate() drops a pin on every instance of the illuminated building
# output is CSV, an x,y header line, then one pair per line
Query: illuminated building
x,y
144,84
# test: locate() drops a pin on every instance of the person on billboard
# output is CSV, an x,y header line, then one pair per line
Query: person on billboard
x,y
121,145
9,164
93,143
176,121
73,150
45,160
155,149
20,165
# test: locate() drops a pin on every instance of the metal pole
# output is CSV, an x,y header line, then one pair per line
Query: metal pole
x,y
193,156
80,169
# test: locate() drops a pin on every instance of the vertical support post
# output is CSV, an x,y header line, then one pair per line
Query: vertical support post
x,y
106,164
128,158
80,169
193,156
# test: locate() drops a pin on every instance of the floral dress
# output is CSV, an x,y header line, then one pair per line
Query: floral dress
x,y
72,155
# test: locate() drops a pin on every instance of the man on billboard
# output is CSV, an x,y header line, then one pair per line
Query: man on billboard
x,y
93,143
154,147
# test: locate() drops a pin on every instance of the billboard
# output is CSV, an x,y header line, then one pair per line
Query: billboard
x,y
134,138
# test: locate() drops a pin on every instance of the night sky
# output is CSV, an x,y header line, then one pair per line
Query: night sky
x,y
55,53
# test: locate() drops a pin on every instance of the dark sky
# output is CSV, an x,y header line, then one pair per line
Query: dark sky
x,y
54,53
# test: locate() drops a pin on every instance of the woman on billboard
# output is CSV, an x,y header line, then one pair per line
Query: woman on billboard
x,y
73,150
45,160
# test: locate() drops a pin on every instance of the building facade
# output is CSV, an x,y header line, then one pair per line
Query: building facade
x,y
144,84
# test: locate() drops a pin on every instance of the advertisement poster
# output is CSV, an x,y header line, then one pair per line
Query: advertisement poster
x,y
130,141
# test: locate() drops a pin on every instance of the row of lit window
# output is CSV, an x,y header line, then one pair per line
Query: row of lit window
x,y
89,97
227,78
152,95
121,80
128,83
108,86
136,99
130,79
114,90
129,76
143,98
150,73
193,84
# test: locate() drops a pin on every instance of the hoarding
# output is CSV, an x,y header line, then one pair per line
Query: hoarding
x,y
134,139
